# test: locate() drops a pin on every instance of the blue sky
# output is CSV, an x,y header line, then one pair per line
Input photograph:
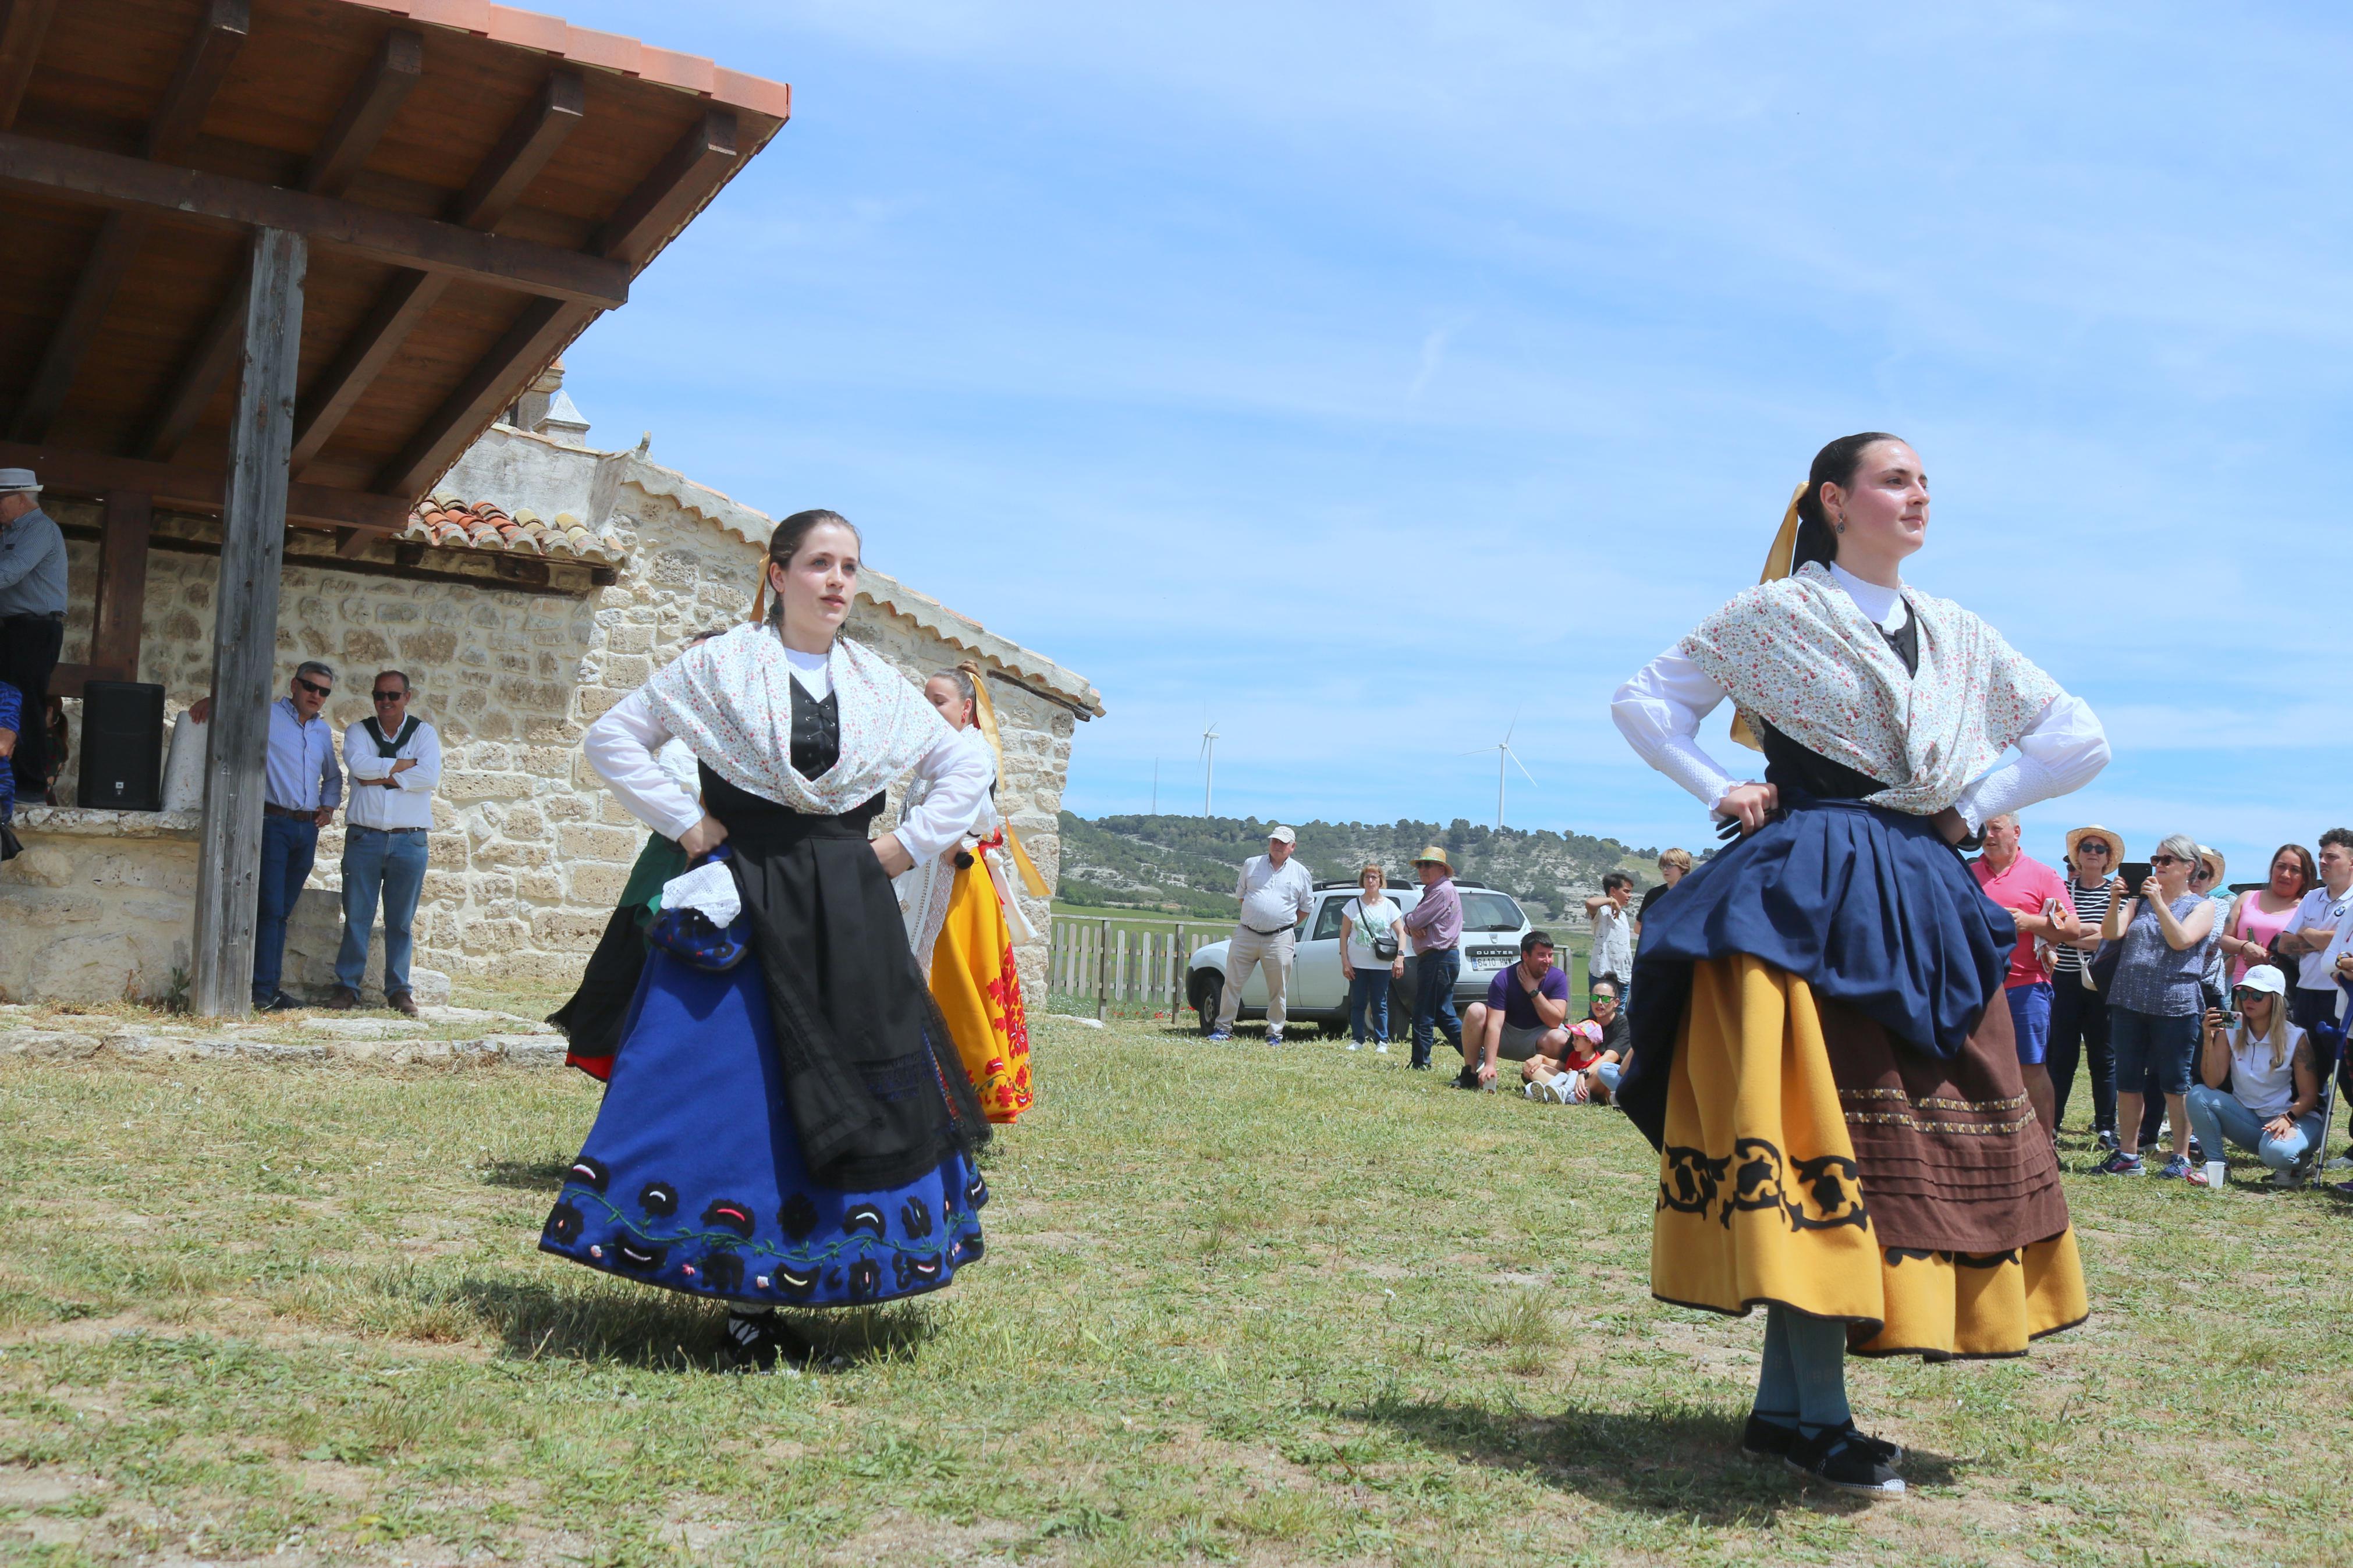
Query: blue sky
x,y
1355,378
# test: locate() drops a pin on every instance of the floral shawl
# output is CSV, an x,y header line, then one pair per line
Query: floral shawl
x,y
732,701
1800,653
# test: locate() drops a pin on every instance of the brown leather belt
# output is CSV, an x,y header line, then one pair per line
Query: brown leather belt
x,y
271,808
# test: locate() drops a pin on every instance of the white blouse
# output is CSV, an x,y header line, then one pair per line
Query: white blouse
x,y
1660,710
622,746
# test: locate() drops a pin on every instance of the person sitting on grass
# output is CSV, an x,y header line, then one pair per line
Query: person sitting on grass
x,y
1587,1072
1526,1013
2259,1082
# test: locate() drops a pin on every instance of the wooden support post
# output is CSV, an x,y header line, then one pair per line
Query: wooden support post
x,y
244,628
122,582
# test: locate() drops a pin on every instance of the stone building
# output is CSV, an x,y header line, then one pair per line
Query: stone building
x,y
541,583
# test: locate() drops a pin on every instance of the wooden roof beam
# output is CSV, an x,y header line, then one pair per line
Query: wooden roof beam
x,y
688,174
521,154
200,490
366,114
203,67
22,33
146,188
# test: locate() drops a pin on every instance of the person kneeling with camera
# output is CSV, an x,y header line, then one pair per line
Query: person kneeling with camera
x,y
2259,1083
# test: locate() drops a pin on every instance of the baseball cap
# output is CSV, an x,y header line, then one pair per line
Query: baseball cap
x,y
1280,835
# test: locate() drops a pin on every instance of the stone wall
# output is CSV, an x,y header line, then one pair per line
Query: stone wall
x,y
96,908
528,850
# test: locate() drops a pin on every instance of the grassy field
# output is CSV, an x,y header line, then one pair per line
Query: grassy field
x,y
1239,1306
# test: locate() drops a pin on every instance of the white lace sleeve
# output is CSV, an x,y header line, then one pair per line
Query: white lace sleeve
x,y
2063,751
621,747
1659,713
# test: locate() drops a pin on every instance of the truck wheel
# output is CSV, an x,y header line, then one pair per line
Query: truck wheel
x,y
1209,995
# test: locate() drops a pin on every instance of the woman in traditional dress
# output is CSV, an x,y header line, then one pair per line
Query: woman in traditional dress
x,y
1844,1135
962,917
794,1129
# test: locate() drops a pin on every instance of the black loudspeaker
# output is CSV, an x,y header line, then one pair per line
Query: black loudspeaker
x,y
121,746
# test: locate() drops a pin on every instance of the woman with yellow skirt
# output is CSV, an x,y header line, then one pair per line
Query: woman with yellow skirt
x,y
1819,1051
962,916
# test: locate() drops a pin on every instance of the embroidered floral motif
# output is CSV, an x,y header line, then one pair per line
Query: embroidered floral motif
x,y
1799,653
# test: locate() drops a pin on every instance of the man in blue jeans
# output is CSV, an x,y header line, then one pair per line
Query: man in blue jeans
x,y
301,787
395,760
1435,924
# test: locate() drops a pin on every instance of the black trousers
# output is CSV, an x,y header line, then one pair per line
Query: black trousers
x,y
29,646
2079,1027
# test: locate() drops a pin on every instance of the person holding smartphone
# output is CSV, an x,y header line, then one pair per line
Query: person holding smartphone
x,y
2259,1081
2155,1001
2037,899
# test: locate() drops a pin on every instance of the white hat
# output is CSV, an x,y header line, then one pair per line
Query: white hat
x,y
2263,977
1279,834
12,480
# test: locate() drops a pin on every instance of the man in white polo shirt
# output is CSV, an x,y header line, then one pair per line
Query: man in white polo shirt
x,y
1276,892
394,760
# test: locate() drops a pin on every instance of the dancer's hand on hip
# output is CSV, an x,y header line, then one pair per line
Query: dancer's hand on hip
x,y
1751,805
703,837
893,854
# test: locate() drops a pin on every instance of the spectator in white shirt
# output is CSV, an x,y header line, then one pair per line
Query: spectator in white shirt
x,y
1276,893
1613,936
2310,930
394,760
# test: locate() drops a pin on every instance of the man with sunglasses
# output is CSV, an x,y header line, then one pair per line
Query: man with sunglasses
x,y
395,760
2079,1014
301,786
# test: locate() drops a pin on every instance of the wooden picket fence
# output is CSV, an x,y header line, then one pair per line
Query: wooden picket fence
x,y
1121,967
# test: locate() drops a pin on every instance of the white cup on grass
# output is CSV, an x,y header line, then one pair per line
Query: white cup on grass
x,y
2216,1172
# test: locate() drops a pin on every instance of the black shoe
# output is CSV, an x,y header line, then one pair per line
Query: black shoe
x,y
281,1002
1467,1079
1840,1458
1419,1066
756,1341
1763,1440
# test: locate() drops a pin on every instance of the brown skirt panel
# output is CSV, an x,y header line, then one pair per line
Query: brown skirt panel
x,y
1950,1151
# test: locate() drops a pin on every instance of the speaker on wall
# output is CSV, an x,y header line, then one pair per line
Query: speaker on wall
x,y
121,746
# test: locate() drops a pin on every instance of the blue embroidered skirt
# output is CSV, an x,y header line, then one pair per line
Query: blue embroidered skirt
x,y
692,1178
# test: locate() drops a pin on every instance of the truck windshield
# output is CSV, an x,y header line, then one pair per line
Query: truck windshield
x,y
1489,912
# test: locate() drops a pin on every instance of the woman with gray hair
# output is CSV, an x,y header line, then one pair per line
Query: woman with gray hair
x,y
2155,1000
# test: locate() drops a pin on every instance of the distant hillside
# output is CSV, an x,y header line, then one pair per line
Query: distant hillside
x,y
1185,865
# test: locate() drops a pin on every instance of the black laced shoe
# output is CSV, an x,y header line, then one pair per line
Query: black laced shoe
x,y
1764,1439
756,1341
1844,1459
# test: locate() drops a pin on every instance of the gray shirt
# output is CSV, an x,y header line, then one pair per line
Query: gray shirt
x,y
32,567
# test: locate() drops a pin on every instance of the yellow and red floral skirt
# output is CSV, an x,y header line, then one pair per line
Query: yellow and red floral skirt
x,y
1810,1161
978,989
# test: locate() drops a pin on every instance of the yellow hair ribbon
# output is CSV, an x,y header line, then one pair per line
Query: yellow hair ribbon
x,y
983,713
1777,566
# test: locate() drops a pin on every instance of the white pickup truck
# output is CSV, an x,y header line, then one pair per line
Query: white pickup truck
x,y
1493,924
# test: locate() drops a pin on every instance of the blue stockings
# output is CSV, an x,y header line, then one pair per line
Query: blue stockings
x,y
1803,1381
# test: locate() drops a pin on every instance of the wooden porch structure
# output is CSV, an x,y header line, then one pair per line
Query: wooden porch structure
x,y
281,261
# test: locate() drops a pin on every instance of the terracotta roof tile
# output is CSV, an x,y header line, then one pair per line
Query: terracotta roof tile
x,y
445,522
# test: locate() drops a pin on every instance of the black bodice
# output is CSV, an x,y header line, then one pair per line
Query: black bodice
x,y
1788,765
817,732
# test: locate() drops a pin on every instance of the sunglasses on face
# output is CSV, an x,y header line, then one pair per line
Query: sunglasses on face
x,y
2166,860
389,696
313,688
2091,847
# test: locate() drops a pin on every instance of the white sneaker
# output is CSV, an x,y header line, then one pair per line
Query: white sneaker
x,y
1352,1045
1551,1090
1382,1049
2342,1162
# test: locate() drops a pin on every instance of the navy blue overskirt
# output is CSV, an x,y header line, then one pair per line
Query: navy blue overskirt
x,y
692,1178
1869,906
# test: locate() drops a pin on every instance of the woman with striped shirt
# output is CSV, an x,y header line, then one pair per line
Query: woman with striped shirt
x,y
2079,1015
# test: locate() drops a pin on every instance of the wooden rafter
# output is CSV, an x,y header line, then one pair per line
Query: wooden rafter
x,y
22,32
203,67
687,176
200,490
367,113
142,186
529,143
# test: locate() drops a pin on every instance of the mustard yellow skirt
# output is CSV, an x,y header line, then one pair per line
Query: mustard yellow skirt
x,y
978,989
1781,1110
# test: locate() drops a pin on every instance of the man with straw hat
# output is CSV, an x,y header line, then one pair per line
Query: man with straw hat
x,y
1436,926
32,619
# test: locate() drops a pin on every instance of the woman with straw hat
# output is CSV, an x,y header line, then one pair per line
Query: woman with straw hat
x,y
787,1122
1844,1137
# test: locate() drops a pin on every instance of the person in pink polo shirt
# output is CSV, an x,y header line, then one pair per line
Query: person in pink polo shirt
x,y
2037,899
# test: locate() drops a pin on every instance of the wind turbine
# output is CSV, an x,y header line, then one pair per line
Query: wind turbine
x,y
1209,765
1504,753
